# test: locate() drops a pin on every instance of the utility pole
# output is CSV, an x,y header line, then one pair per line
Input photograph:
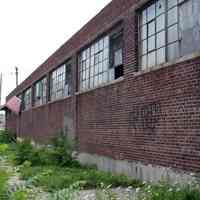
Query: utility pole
x,y
17,75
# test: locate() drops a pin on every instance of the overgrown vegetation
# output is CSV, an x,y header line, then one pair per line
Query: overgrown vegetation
x,y
53,168
7,137
164,191
54,178
58,153
3,185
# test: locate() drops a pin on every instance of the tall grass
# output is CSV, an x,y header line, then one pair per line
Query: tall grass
x,y
3,185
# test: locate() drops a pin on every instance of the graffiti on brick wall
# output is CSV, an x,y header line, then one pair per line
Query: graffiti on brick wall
x,y
145,117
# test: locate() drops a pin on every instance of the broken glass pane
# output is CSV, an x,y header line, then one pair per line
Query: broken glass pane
x,y
160,7
118,57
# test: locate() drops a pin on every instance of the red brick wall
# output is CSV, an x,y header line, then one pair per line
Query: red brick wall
x,y
153,117
45,121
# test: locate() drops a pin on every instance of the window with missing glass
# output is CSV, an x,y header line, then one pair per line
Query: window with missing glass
x,y
116,55
40,92
60,83
27,99
101,62
168,29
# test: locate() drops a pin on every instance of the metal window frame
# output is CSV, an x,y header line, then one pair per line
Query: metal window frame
x,y
140,55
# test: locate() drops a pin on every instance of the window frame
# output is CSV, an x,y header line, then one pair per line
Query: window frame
x,y
165,31
60,82
89,77
27,105
43,98
108,75
113,39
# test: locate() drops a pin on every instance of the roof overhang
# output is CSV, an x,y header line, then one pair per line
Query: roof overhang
x,y
13,105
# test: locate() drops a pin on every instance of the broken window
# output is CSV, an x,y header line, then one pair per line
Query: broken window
x,y
60,82
27,99
168,29
101,62
116,55
40,92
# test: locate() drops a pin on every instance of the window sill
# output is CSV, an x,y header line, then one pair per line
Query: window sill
x,y
39,106
50,102
101,86
168,64
58,100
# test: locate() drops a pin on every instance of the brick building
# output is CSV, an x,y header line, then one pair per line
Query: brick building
x,y
127,86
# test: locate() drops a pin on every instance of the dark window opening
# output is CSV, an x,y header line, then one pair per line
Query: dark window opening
x,y
116,55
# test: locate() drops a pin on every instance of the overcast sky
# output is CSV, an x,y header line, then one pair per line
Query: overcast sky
x,y
30,31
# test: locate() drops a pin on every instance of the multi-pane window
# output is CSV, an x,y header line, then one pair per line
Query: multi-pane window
x,y
27,99
94,64
168,29
61,82
101,62
40,92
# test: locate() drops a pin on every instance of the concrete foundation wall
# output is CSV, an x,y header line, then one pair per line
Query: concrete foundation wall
x,y
137,170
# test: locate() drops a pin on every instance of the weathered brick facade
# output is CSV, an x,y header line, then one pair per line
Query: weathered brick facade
x,y
148,116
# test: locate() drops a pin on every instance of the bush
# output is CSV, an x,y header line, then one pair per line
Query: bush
x,y
7,136
24,152
59,153
63,147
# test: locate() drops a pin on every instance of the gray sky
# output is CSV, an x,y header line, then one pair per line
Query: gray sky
x,y
30,31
